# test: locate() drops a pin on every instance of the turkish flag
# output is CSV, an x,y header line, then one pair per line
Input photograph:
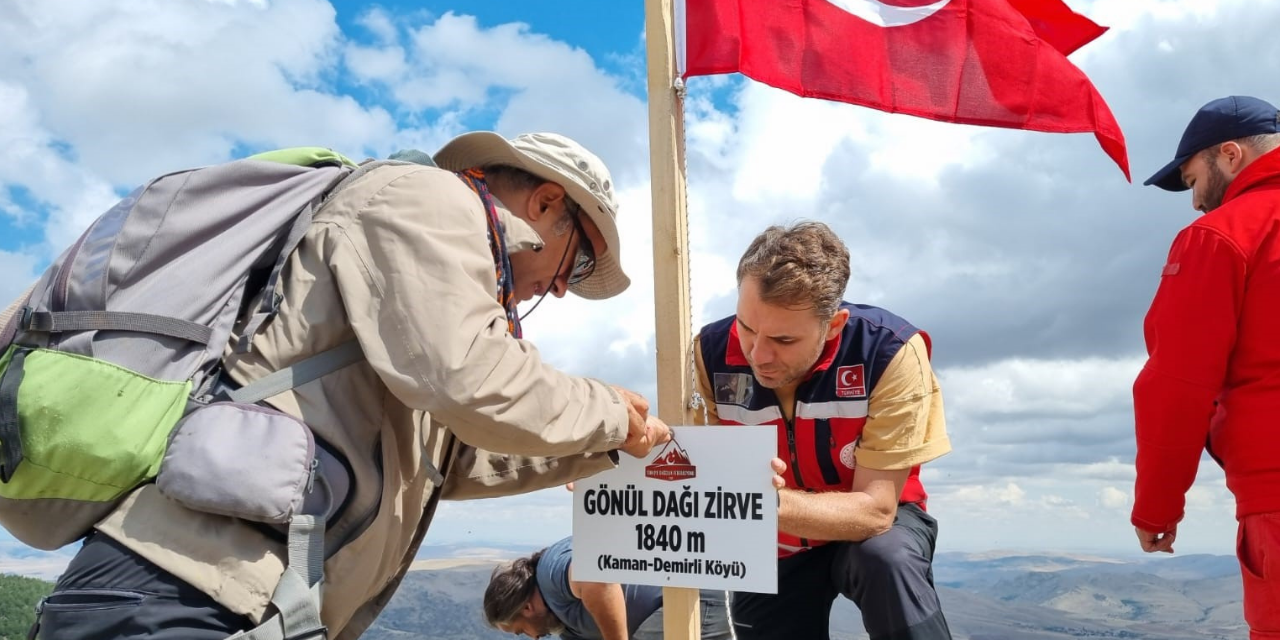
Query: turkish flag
x,y
1057,24
997,63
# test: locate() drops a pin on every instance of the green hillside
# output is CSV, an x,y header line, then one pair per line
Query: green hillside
x,y
18,597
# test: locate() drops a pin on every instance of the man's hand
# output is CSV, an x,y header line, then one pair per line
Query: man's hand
x,y
637,406
654,432
1152,542
642,433
779,468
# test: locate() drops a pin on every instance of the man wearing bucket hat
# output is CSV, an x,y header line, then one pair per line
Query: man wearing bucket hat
x,y
1212,379
423,266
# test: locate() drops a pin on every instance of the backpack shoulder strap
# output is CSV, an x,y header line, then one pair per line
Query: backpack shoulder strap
x,y
363,169
298,595
299,373
270,300
310,156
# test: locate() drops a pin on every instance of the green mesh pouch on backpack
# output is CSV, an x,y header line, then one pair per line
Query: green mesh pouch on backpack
x,y
102,429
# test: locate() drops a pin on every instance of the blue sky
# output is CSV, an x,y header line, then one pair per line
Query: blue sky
x,y
606,30
611,33
1026,255
21,229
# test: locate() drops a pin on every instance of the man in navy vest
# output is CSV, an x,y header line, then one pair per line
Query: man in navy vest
x,y
858,410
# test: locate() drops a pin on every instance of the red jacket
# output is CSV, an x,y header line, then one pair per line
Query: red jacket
x,y
1213,341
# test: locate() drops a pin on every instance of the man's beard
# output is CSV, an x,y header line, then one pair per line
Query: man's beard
x,y
548,624
791,377
1215,189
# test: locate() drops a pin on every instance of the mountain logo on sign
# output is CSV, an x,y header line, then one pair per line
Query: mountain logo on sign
x,y
671,464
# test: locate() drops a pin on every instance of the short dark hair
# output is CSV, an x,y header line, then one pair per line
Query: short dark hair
x,y
510,586
802,266
509,178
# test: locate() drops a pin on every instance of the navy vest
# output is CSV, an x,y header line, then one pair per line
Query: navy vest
x,y
831,404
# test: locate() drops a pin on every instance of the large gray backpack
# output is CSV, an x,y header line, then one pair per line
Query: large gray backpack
x,y
109,372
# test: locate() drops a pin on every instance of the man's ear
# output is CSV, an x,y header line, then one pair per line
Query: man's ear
x,y
546,197
1233,155
837,322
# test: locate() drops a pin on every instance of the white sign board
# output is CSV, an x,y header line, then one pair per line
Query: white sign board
x,y
699,512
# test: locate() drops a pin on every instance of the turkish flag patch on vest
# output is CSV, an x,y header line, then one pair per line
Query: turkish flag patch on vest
x,y
851,382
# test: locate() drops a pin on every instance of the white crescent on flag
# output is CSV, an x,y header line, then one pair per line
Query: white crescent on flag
x,y
873,11
887,15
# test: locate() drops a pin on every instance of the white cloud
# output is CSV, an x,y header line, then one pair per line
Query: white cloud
x,y
1211,499
29,158
976,497
1127,15
1048,387
1108,470
381,24
536,83
379,64
140,88
780,159
1113,498
20,271
1023,254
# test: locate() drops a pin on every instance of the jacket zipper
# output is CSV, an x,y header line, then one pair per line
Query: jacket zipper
x,y
824,442
791,447
795,461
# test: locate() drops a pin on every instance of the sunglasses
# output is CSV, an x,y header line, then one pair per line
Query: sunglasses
x,y
584,262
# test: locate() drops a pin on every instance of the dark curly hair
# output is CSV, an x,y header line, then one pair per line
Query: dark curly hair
x,y
510,586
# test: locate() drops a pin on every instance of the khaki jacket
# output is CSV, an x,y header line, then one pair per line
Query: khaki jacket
x,y
400,261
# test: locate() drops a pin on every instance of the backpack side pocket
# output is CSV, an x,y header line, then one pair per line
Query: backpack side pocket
x,y
240,460
90,430
87,432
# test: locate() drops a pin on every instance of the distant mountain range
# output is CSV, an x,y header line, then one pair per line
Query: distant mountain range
x,y
985,597
990,596
1031,597
19,559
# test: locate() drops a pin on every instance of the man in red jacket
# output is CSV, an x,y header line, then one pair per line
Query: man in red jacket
x,y
1212,378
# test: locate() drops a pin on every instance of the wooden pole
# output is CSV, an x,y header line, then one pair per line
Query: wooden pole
x,y
670,263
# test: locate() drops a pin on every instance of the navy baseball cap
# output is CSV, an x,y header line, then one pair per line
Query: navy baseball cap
x,y
1223,119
